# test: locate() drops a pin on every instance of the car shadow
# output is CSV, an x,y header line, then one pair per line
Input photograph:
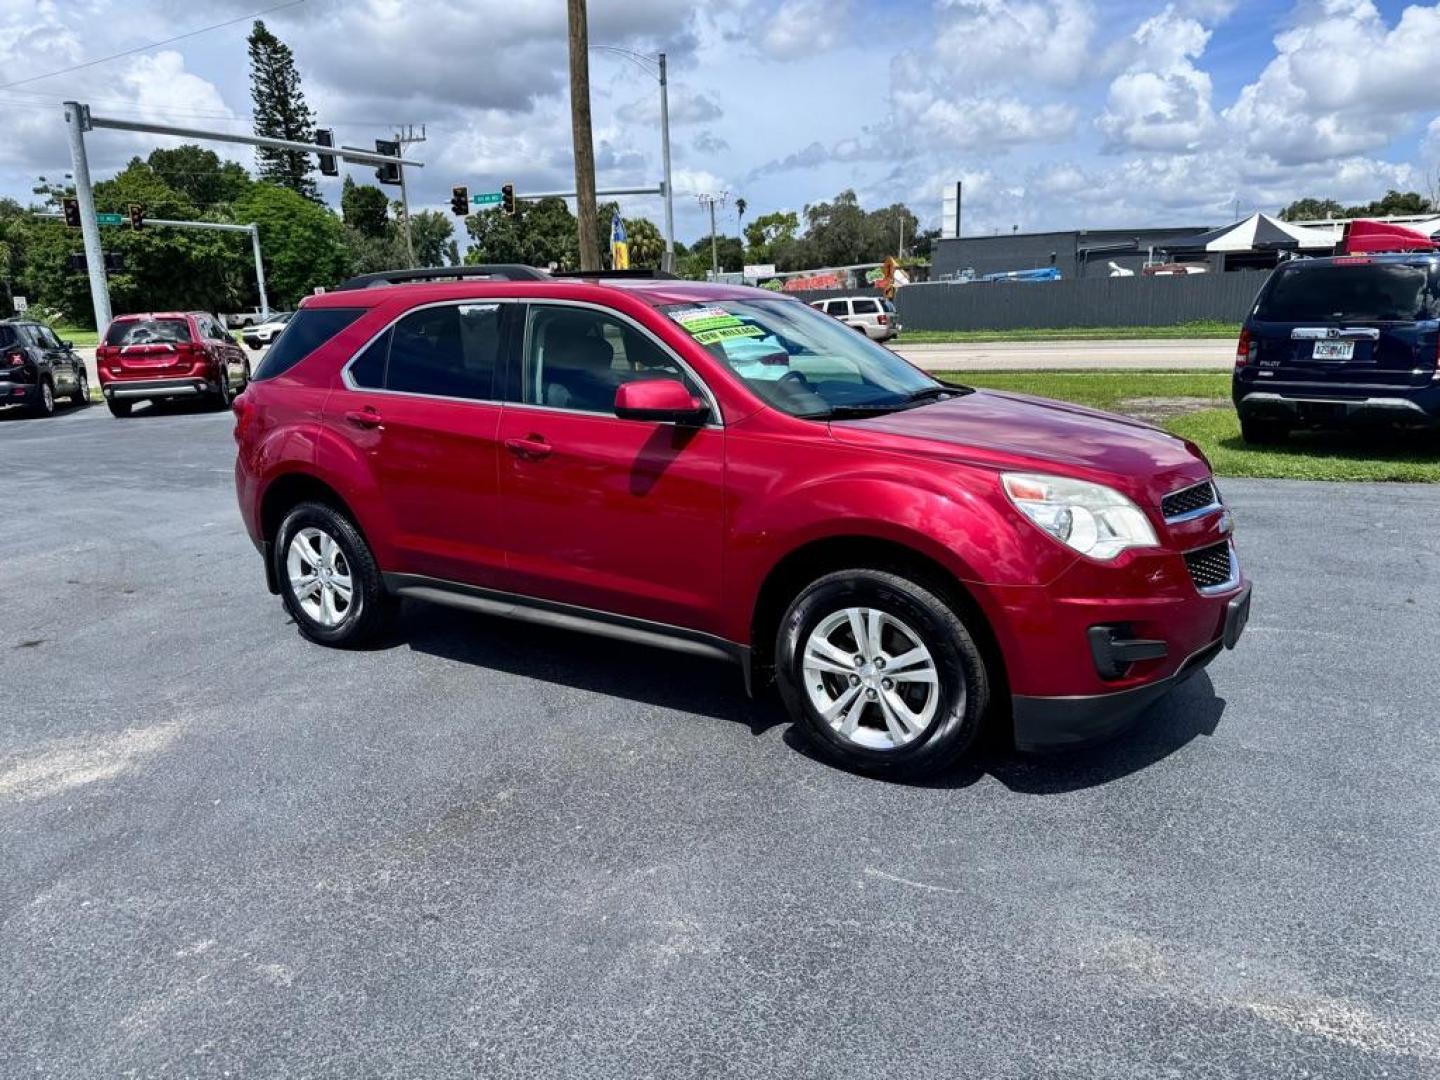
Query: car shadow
x,y
710,688
63,409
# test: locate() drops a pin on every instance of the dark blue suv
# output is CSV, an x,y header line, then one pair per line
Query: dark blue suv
x,y
1349,339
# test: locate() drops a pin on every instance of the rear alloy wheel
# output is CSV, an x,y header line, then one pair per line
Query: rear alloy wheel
x,y
881,674
221,398
45,401
329,581
82,390
1262,432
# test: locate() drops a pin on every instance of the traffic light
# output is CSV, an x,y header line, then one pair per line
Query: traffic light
x,y
328,165
460,201
507,198
71,208
387,174
137,216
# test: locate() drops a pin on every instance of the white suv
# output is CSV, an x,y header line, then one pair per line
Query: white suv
x,y
871,315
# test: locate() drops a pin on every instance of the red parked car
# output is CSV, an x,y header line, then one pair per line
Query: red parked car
x,y
728,472
169,355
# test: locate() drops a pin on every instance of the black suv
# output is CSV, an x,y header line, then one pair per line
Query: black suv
x,y
36,368
1341,340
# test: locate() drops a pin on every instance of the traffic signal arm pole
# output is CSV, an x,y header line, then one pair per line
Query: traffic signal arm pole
x,y
89,227
362,157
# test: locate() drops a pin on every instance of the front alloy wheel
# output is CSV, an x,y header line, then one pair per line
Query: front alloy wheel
x,y
871,678
881,672
82,389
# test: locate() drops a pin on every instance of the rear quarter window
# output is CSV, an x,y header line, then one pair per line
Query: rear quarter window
x,y
1360,292
8,337
303,334
147,332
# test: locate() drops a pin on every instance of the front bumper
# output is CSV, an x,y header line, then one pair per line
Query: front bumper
x,y
187,386
1058,723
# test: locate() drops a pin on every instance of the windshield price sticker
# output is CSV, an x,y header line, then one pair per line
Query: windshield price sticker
x,y
712,324
725,333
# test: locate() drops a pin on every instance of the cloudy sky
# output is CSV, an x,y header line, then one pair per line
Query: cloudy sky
x,y
1055,113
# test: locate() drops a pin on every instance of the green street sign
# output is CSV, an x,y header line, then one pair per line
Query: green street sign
x,y
119,219
486,198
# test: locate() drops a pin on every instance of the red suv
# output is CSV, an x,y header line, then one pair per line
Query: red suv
x,y
728,472
168,355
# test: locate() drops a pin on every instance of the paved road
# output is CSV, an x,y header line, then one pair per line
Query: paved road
x,y
1199,353
492,850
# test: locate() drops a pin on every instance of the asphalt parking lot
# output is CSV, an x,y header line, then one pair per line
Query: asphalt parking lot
x,y
490,849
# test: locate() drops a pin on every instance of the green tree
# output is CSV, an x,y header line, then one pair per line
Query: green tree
x,y
646,242
883,229
365,207
1395,203
1312,210
537,234
280,112
837,230
433,234
762,234
697,264
303,242
200,175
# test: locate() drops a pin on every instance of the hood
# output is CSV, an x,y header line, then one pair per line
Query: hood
x,y
1014,431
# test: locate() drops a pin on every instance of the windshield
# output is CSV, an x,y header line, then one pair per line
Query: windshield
x,y
801,361
147,332
1361,292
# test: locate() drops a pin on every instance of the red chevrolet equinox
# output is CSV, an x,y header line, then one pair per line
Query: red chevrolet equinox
x,y
731,473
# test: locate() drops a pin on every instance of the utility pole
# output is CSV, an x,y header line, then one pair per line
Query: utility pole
x,y
77,122
580,131
710,201
667,263
404,139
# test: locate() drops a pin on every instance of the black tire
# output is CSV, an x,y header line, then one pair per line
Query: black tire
x,y
962,684
44,398
371,608
1262,432
119,407
81,397
221,399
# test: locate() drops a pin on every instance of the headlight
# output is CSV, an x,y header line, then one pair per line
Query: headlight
x,y
1093,519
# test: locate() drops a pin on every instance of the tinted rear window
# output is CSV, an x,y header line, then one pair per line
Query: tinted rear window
x,y
303,334
7,336
1364,292
147,332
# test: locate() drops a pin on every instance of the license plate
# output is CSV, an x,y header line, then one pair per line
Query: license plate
x,y
1333,350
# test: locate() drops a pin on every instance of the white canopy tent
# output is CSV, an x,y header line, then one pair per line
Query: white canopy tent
x,y
1259,232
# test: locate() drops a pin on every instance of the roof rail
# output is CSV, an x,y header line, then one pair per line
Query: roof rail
x,y
640,274
488,271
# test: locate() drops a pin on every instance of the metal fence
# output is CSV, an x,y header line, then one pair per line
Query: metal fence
x,y
1132,301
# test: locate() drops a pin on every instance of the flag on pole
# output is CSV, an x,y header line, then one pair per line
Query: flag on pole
x,y
619,249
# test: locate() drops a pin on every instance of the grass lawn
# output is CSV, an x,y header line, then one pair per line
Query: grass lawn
x,y
1347,455
1073,333
81,339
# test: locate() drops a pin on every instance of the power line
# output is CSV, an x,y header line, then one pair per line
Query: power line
x,y
152,45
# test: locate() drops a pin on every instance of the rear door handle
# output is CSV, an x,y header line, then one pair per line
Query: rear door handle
x,y
365,418
531,449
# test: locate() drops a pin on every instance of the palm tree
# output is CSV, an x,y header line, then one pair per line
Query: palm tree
x,y
740,207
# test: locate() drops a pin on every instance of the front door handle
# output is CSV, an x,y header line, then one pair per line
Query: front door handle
x,y
532,449
365,418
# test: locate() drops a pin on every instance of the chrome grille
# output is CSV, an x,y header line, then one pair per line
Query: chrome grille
x,y
1188,500
1210,567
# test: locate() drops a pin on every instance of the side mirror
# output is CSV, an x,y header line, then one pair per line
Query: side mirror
x,y
662,401
67,344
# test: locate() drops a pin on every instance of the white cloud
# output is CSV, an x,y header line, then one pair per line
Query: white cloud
x,y
686,107
800,28
1045,41
1162,100
1342,82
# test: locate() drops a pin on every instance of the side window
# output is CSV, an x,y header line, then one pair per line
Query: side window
x,y
368,370
867,307
48,338
838,307
30,335
447,351
311,328
577,357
